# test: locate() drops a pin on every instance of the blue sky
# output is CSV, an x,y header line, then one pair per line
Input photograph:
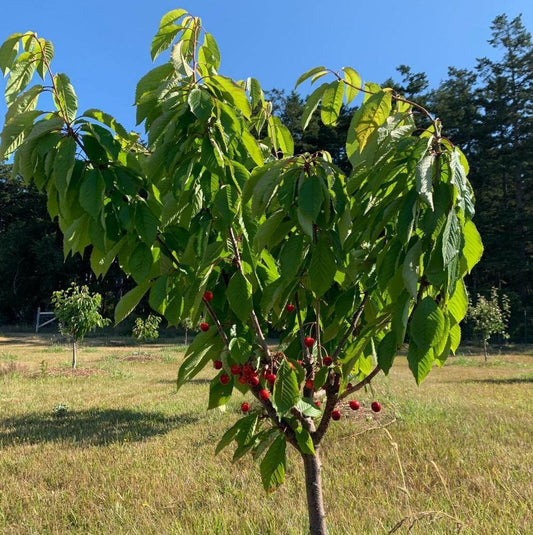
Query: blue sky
x,y
104,45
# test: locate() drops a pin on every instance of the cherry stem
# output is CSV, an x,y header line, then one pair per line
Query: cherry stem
x,y
216,321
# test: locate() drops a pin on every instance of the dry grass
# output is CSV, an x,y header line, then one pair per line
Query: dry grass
x,y
133,457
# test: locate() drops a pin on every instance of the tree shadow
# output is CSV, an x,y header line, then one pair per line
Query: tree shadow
x,y
508,381
90,427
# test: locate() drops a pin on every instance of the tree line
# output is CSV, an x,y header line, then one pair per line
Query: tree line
x,y
487,111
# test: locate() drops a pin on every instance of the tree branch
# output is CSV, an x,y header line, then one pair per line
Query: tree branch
x,y
360,384
253,316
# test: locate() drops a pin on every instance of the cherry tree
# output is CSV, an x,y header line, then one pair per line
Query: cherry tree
x,y
216,220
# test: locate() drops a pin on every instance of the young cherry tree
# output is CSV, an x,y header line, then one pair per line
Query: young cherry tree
x,y
77,311
218,221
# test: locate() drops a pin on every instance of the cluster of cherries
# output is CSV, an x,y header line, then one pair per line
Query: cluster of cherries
x,y
247,375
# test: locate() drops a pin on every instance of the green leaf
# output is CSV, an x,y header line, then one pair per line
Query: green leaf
x,y
20,76
386,352
420,361
286,391
8,52
311,197
424,178
332,103
451,238
239,294
458,303
240,350
370,116
252,147
311,104
321,377
64,164
163,39
205,348
473,247
107,119
15,131
306,75
65,98
268,229
455,337
305,441
92,191
171,17
140,262
353,83
219,394
26,101
130,300
410,269
146,223
233,92
229,436
273,465
322,268
200,103
427,324
152,80
225,201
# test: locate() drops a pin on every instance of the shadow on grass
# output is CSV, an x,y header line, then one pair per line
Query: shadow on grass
x,y
508,381
89,428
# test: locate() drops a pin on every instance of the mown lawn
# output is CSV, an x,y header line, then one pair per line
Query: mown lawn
x,y
133,457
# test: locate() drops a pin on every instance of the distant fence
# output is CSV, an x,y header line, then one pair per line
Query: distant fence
x,y
39,319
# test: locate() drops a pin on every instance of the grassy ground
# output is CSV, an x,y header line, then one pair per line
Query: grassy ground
x,y
133,457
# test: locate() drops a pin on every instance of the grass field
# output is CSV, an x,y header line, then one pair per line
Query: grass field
x,y
133,457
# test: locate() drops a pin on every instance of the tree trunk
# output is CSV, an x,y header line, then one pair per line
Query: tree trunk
x,y
74,350
485,350
313,487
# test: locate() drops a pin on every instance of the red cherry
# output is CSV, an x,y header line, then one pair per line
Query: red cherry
x,y
253,381
224,378
270,377
355,405
317,403
300,362
245,407
376,406
208,296
247,370
217,364
336,415
290,308
204,326
264,394
310,384
242,380
328,361
309,342
235,369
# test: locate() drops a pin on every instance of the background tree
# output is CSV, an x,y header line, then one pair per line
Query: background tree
x,y
145,330
215,217
77,311
490,316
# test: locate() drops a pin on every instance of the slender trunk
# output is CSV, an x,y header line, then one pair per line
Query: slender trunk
x,y
313,487
74,349
485,350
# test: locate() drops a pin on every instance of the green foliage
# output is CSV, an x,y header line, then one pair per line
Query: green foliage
x,y
217,202
145,330
77,311
490,316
